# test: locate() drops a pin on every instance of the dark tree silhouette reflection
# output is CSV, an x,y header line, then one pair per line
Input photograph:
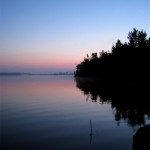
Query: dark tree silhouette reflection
x,y
130,103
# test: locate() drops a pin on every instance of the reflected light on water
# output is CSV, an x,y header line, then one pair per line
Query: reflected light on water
x,y
54,112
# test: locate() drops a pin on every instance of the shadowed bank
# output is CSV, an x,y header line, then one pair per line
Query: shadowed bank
x,y
121,77
128,63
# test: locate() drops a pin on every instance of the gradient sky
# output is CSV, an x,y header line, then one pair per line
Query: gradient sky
x,y
54,35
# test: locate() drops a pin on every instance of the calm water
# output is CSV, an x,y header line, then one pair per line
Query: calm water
x,y
54,113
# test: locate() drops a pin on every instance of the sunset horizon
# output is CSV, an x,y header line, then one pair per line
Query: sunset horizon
x,y
74,74
52,36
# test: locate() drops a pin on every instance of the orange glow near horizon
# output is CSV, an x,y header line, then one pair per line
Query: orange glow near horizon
x,y
41,62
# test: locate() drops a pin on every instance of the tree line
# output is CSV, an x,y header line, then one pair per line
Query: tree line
x,y
127,62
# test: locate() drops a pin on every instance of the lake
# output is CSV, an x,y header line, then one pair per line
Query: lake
x,y
47,112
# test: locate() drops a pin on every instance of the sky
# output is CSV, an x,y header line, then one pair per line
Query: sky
x,y
48,36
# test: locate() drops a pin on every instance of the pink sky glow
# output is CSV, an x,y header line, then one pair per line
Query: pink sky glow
x,y
55,35
41,62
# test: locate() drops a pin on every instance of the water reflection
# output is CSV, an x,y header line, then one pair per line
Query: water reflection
x,y
129,103
49,112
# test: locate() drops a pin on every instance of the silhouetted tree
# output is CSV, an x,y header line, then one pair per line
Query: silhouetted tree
x,y
137,38
128,62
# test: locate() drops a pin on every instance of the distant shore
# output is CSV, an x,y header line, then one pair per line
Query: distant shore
x,y
18,73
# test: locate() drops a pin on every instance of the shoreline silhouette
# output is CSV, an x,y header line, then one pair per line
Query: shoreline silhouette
x,y
127,63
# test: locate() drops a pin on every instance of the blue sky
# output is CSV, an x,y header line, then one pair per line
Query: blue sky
x,y
55,35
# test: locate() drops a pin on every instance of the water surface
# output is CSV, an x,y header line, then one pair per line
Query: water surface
x,y
54,112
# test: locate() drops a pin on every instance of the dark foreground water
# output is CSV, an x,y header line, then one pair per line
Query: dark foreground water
x,y
54,113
